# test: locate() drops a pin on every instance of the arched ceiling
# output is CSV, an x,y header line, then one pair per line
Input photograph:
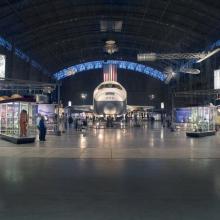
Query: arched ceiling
x,y
60,33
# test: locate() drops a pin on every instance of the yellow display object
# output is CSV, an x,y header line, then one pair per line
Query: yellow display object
x,y
16,96
4,98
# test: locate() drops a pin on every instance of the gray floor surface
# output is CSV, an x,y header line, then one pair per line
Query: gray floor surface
x,y
175,178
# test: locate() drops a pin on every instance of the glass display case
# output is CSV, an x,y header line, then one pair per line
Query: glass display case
x,y
202,119
197,121
12,113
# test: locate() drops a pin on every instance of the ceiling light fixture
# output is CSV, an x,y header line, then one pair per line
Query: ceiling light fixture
x,y
110,47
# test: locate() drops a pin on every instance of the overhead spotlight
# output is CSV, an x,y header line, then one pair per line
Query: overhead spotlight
x,y
47,90
170,74
110,47
151,97
169,70
83,95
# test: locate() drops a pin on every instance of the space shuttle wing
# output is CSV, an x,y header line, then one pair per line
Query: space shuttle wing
x,y
82,108
131,108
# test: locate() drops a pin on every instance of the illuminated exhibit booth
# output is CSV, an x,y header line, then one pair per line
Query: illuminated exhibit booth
x,y
18,120
197,121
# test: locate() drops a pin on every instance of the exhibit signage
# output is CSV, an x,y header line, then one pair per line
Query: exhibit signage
x,y
217,79
46,109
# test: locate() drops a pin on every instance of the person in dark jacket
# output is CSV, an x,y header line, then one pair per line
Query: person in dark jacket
x,y
70,121
42,129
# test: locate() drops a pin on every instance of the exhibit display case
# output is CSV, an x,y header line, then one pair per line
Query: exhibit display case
x,y
199,121
18,120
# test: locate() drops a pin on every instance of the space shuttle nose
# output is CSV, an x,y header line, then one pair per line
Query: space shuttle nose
x,y
109,98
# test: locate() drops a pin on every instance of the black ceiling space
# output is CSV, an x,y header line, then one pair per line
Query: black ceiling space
x,y
60,33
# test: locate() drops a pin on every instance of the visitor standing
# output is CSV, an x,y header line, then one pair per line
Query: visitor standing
x,y
38,123
70,121
76,124
42,129
62,123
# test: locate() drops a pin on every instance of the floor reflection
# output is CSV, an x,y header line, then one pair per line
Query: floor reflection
x,y
121,189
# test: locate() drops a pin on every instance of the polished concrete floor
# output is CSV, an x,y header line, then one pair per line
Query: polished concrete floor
x,y
118,144
139,173
54,189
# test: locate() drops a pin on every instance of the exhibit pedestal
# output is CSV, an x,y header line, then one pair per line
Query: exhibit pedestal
x,y
18,140
200,134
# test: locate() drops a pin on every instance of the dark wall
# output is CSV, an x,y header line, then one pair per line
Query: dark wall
x,y
138,87
19,69
203,81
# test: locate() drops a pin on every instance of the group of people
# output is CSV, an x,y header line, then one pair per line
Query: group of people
x,y
80,124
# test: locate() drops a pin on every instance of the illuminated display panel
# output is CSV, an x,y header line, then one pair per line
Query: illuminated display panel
x,y
2,66
217,79
70,71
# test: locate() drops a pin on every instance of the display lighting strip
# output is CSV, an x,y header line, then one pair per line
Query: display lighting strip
x,y
7,45
70,71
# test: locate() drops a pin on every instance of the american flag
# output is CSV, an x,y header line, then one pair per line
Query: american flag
x,y
110,72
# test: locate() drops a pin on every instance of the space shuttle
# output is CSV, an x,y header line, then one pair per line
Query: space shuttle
x,y
110,97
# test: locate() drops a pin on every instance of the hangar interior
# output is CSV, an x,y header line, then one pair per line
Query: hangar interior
x,y
156,159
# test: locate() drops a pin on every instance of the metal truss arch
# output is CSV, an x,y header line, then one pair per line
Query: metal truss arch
x,y
72,70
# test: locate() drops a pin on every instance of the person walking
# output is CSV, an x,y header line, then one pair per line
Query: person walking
x,y
42,129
